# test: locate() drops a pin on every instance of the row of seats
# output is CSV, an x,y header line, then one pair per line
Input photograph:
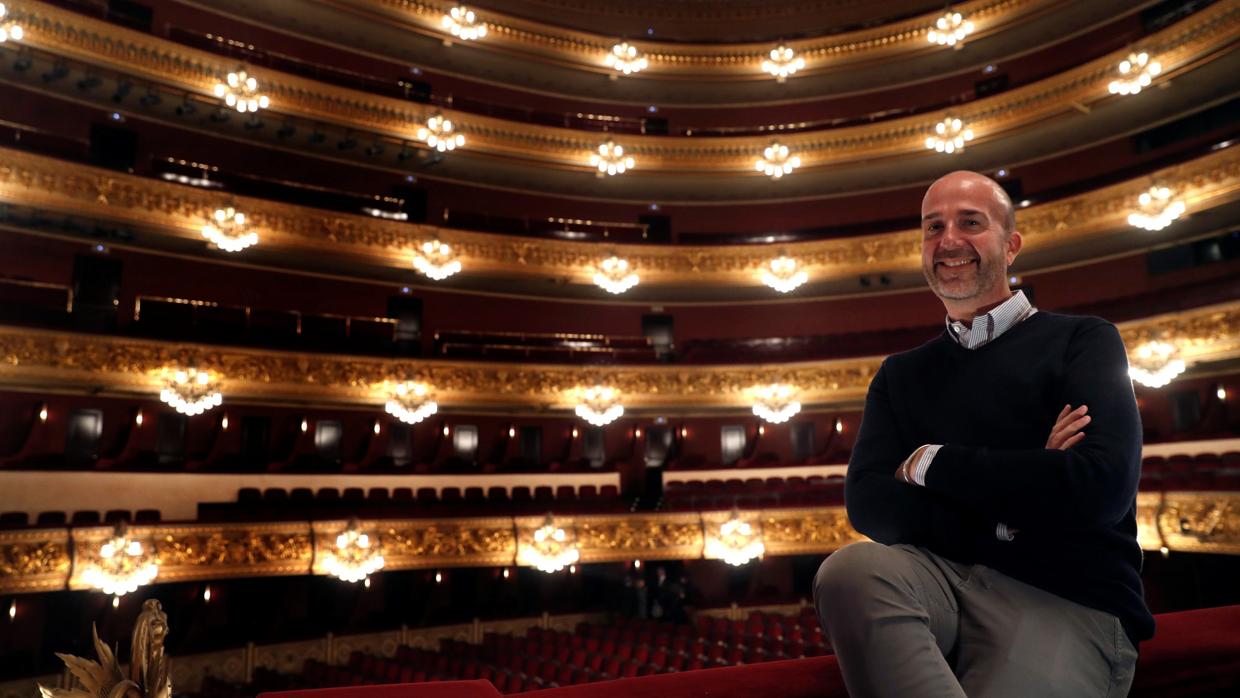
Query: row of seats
x,y
544,658
278,504
1204,471
49,519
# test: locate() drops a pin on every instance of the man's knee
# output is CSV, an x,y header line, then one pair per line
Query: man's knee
x,y
846,570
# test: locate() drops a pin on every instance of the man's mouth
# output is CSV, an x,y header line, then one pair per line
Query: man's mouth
x,y
955,263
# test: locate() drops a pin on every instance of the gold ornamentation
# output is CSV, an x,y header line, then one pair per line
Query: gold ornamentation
x,y
1189,521
167,209
34,560
149,671
150,58
1203,522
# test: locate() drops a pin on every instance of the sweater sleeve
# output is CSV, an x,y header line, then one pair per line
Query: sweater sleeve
x,y
879,506
1091,484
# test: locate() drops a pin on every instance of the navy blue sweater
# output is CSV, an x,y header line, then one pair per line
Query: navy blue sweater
x,y
992,408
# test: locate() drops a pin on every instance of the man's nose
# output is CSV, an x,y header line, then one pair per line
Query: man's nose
x,y
952,236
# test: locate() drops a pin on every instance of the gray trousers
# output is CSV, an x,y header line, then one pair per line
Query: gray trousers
x,y
906,622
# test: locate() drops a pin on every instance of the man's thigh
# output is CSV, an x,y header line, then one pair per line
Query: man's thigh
x,y
1017,640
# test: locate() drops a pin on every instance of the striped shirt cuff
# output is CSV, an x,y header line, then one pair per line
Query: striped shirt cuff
x,y
1002,533
922,466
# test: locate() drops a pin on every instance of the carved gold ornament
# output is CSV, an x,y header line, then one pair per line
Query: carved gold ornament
x,y
781,62
950,29
436,260
1136,72
239,90
8,28
775,403
950,135
150,675
227,230
1157,208
410,403
777,160
625,58
190,391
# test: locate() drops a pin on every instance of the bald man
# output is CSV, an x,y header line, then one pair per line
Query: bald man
x,y
996,475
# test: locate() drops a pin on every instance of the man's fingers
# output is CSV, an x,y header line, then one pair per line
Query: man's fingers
x,y
1072,441
1063,413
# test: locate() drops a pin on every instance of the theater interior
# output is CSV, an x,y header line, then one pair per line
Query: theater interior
x,y
523,346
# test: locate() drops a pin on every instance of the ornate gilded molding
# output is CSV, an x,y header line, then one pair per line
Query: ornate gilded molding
x,y
76,361
167,209
38,559
585,50
1179,47
1200,522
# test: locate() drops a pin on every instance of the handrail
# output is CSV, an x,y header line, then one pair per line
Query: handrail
x,y
299,315
42,284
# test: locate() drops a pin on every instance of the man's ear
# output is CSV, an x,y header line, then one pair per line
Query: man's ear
x,y
1014,243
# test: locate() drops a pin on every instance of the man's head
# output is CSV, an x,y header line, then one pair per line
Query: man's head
x,y
969,240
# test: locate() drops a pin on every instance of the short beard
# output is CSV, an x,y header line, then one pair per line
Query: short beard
x,y
987,276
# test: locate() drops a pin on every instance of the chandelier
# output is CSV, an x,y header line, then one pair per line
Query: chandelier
x,y
600,405
550,551
228,232
1136,72
782,274
462,23
614,276
783,62
1155,364
122,567
410,403
436,260
624,58
240,91
950,29
438,134
950,135
9,29
354,558
610,159
777,161
1156,209
190,391
736,543
775,403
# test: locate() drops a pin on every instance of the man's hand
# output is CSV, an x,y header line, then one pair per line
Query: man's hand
x,y
1067,430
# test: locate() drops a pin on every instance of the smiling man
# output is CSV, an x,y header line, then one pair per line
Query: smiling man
x,y
1004,559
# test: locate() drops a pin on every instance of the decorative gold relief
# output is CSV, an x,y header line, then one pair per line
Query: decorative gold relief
x,y
1190,522
46,183
149,58
442,543
639,536
34,560
795,531
1202,522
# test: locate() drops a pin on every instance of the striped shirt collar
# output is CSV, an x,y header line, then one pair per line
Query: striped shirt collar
x,y
987,328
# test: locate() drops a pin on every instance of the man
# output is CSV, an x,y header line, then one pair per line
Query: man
x,y
1004,561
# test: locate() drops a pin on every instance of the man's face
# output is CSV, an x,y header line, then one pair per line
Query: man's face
x,y
964,251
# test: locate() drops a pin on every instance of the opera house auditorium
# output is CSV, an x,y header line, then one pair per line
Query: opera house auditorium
x,y
668,348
